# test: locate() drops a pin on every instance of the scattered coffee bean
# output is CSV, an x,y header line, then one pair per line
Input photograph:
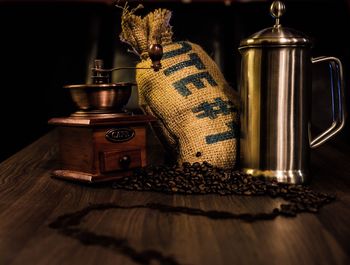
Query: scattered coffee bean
x,y
198,154
203,178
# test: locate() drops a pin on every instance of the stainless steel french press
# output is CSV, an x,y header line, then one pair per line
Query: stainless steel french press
x,y
275,91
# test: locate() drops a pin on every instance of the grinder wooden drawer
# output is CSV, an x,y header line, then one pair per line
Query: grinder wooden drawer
x,y
119,160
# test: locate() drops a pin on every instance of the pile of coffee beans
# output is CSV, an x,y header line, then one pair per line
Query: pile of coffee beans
x,y
203,178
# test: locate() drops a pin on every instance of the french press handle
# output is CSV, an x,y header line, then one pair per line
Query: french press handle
x,y
338,100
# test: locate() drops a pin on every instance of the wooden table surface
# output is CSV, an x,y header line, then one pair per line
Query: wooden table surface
x,y
126,231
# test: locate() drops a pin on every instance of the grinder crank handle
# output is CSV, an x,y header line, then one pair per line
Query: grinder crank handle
x,y
338,100
155,52
101,75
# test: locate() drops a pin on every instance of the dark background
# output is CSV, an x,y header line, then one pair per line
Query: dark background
x,y
45,45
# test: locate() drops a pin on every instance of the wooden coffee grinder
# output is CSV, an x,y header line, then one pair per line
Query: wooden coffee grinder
x,y
100,141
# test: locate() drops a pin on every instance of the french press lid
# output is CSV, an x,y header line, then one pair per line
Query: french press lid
x,y
276,36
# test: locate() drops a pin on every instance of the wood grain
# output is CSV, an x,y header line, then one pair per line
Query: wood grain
x,y
30,200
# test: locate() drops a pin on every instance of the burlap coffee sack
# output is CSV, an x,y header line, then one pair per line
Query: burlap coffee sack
x,y
190,97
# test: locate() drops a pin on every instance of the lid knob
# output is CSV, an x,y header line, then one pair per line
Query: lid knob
x,y
277,10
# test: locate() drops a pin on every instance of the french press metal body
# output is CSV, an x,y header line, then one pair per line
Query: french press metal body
x,y
275,91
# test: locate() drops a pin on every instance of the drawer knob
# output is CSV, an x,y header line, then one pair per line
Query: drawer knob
x,y
125,161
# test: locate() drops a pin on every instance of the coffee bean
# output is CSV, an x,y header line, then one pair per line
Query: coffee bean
x,y
204,178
